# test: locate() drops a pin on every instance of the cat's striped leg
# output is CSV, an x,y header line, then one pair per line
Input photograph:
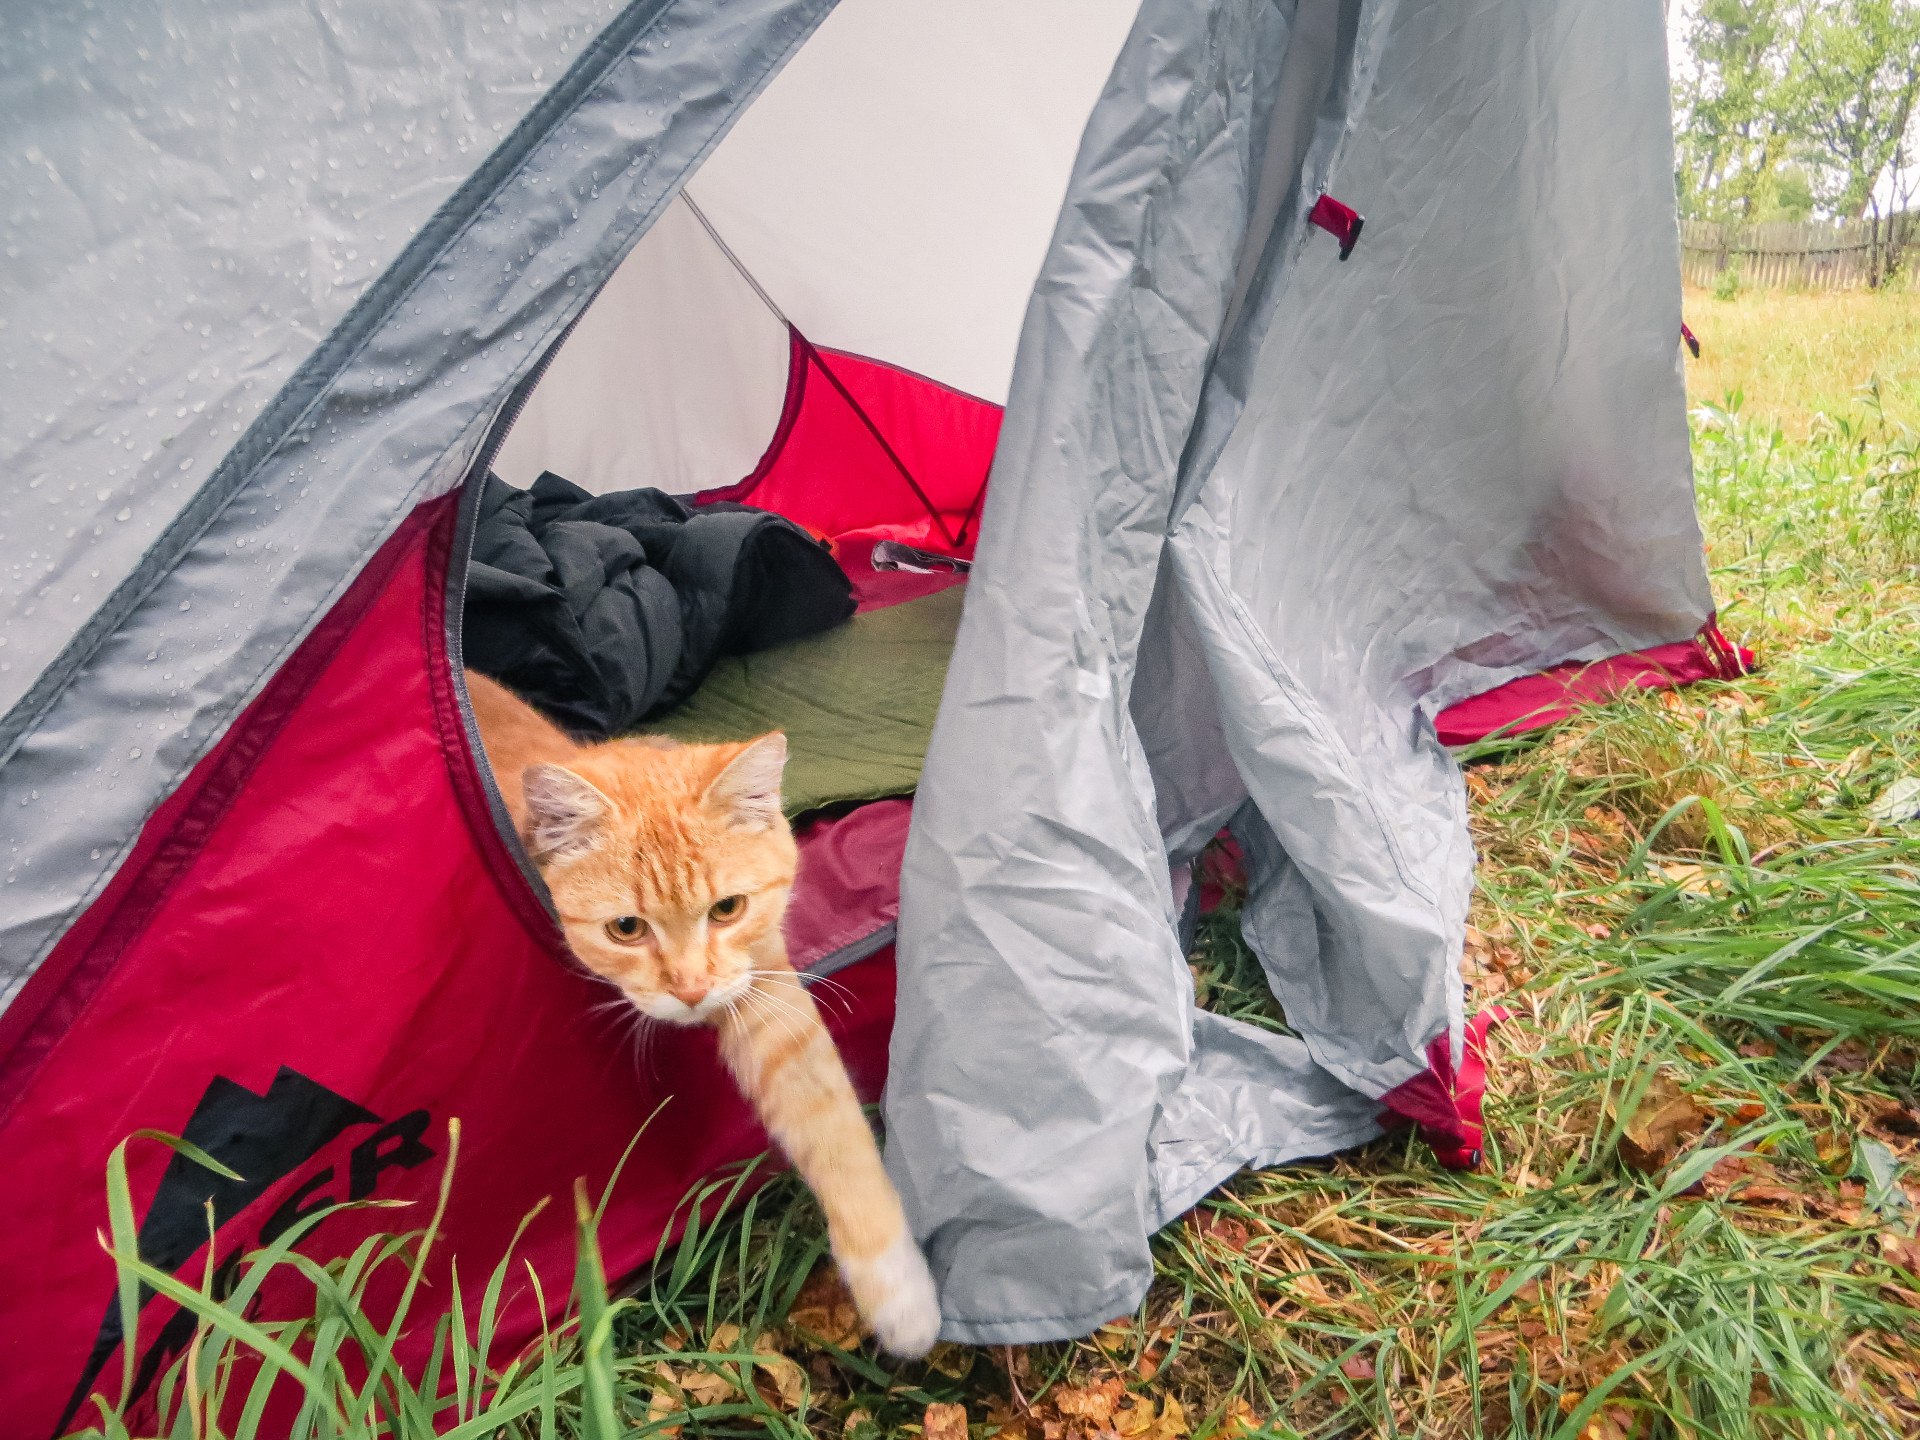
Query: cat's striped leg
x,y
786,1064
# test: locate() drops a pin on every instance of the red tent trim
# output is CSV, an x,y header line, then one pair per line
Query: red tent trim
x,y
58,991
1533,702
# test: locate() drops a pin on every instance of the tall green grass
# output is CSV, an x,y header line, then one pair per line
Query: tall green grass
x,y
689,1346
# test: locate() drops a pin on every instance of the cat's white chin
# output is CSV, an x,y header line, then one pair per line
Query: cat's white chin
x,y
905,1308
678,1012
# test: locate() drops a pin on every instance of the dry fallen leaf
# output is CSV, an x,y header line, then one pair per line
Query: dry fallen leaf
x,y
1901,1250
1850,1057
1011,1424
1661,1121
1613,1422
1481,963
1835,1150
1690,878
1357,1367
1750,1180
665,1399
1139,1421
1173,1419
825,1309
1226,1229
1897,1120
786,1380
703,1387
944,1422
951,1359
1240,1419
1092,1403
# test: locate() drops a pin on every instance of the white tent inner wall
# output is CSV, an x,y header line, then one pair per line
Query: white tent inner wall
x,y
675,377
893,191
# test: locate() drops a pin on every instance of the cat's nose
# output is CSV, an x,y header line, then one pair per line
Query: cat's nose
x,y
690,992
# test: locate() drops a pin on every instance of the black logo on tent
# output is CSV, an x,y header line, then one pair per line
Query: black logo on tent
x,y
263,1138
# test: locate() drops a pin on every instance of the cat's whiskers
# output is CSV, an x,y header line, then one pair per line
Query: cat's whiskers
x,y
844,998
793,1020
644,1054
786,1013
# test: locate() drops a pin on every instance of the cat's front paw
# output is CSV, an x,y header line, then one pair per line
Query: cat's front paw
x,y
895,1292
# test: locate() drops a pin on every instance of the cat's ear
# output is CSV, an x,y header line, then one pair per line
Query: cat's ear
x,y
747,792
563,811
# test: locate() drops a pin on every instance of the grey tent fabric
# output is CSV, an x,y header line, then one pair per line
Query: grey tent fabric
x,y
390,410
195,195
1231,572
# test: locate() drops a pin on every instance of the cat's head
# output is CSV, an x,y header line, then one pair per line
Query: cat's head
x,y
668,867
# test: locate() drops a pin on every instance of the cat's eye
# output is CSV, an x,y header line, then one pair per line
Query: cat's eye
x,y
727,908
627,929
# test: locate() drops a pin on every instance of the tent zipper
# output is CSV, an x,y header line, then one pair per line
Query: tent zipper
x,y
503,423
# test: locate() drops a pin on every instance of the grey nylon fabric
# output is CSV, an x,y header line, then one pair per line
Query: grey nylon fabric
x,y
194,194
388,412
1233,573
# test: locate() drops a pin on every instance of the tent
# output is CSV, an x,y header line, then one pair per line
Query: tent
x,y
284,282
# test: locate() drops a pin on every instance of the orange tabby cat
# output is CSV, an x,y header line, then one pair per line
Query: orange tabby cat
x,y
670,867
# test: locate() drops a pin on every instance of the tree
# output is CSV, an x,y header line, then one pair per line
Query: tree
x,y
1785,105
1732,126
1850,98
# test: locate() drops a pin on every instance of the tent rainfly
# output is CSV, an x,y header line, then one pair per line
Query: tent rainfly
x,y
1035,282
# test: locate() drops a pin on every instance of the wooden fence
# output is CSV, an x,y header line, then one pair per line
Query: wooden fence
x,y
1812,255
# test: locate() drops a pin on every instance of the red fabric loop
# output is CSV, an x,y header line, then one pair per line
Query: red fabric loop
x,y
1444,1105
1342,222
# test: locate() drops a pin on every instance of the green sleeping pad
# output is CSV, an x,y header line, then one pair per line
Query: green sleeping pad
x,y
856,702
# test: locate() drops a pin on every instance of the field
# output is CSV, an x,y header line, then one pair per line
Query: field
x,y
1798,355
1698,1209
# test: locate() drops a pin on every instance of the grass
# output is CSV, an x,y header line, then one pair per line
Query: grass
x,y
1697,1214
1798,355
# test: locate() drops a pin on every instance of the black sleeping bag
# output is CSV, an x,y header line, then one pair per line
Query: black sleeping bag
x,y
606,610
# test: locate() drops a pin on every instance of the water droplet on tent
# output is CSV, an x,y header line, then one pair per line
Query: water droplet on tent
x,y
125,514
93,855
134,754
186,604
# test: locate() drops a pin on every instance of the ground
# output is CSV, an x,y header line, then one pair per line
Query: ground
x,y
1697,1212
